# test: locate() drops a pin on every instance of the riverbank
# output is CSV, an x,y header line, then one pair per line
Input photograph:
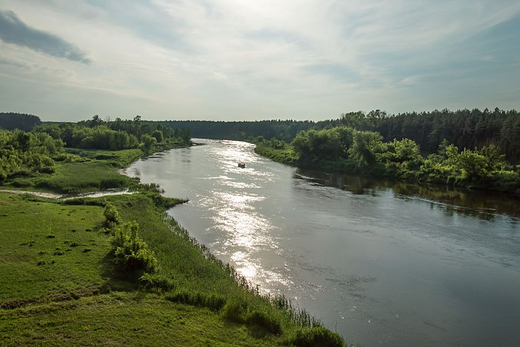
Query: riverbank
x,y
59,283
507,184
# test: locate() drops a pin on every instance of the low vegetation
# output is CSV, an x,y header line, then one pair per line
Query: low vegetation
x,y
118,270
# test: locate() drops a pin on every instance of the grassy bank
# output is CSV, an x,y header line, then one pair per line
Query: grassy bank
x,y
284,156
59,282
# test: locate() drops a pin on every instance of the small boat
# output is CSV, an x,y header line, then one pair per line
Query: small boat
x,y
242,165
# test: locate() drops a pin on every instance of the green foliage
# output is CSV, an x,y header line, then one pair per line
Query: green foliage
x,y
212,301
347,150
366,146
235,309
131,253
265,320
25,122
148,142
315,336
111,216
24,154
156,282
158,135
117,135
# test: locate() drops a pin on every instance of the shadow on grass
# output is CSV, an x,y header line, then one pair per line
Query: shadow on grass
x,y
116,280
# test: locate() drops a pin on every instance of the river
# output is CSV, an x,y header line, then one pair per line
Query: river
x,y
380,263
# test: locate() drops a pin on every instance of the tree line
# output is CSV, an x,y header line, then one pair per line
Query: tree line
x,y
21,121
464,128
471,129
26,153
343,148
115,135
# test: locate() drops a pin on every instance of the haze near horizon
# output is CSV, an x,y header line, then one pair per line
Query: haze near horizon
x,y
250,60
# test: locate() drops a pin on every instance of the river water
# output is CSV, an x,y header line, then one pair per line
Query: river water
x,y
380,263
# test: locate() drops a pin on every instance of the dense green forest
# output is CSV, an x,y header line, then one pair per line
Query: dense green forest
x,y
282,129
11,121
464,128
115,135
348,150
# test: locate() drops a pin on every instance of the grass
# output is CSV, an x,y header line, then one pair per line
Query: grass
x,y
83,171
59,285
123,319
42,250
284,156
72,178
118,159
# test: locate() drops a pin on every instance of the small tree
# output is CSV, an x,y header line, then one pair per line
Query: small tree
x,y
132,255
111,215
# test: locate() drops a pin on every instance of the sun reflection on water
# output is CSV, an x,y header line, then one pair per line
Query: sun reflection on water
x,y
233,201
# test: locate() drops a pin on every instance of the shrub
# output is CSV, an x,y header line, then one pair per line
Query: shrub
x,y
111,215
235,310
21,182
132,254
317,336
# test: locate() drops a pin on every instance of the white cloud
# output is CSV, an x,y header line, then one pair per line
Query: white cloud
x,y
227,59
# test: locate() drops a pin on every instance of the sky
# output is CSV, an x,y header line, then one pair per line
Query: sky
x,y
67,60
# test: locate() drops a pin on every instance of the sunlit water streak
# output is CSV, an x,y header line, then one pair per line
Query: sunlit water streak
x,y
380,263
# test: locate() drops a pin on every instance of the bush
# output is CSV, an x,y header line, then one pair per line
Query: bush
x,y
132,255
111,215
235,310
317,336
21,182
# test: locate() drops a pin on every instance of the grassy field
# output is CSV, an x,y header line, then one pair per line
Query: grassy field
x,y
82,170
59,283
48,251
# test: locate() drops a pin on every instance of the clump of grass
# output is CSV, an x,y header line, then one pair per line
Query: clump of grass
x,y
296,314
267,321
212,301
235,309
316,336
156,282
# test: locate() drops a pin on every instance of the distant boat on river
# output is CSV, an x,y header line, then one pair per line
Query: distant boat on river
x,y
242,165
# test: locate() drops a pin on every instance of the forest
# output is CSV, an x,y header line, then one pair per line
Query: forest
x,y
25,122
345,149
464,128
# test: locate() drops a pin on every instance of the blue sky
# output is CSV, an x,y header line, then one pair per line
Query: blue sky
x,y
247,60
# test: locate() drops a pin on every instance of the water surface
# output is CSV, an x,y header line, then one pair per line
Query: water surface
x,y
380,263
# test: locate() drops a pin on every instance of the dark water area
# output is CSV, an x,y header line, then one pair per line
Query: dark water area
x,y
382,263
